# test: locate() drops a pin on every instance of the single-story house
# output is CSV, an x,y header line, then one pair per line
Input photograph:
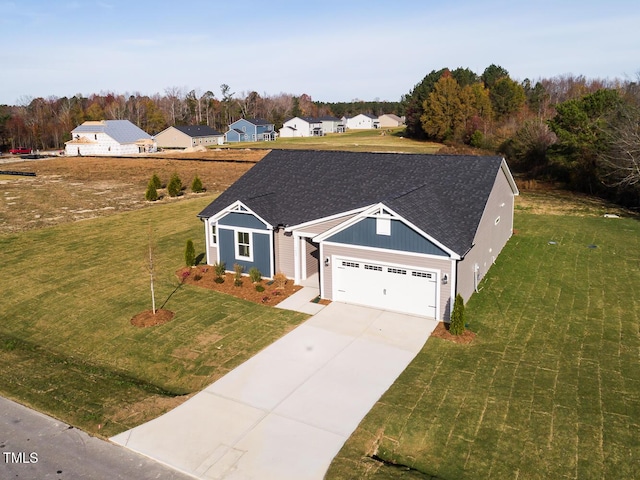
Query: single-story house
x,y
400,232
390,120
362,121
185,136
250,130
109,137
301,127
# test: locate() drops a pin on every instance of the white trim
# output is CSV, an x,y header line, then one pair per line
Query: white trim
x,y
387,250
236,245
311,223
296,259
321,269
244,229
507,172
454,284
233,208
370,212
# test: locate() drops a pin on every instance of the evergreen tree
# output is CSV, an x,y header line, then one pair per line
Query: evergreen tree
x,y
175,185
156,181
456,327
196,185
190,254
151,195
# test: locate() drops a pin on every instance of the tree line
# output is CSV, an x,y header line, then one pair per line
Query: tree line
x,y
584,134
44,123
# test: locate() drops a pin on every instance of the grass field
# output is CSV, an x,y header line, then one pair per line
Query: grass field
x,y
67,347
383,140
550,388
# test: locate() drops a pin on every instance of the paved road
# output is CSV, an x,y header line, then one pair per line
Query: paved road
x,y
36,447
285,413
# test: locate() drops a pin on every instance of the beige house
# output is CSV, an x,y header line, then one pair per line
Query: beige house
x,y
389,120
185,136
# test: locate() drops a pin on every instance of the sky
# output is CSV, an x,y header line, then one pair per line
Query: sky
x,y
331,50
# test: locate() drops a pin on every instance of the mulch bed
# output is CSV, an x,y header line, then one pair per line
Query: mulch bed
x,y
204,276
442,331
149,319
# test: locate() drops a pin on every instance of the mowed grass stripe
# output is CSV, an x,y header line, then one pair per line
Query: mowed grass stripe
x,y
549,388
67,346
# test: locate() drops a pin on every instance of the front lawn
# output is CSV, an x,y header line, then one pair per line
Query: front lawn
x,y
67,347
550,388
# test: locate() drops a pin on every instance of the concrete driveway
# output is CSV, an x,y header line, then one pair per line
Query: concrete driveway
x,y
285,413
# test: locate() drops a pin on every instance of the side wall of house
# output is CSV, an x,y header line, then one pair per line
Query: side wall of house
x,y
495,229
173,138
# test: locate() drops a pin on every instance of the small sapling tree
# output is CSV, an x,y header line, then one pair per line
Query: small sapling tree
x,y
456,327
190,254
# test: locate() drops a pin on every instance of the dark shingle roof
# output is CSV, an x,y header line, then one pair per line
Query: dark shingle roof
x,y
444,195
197,130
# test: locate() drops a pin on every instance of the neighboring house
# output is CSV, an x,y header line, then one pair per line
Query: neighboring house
x,y
362,121
250,130
332,124
109,137
186,136
389,120
302,127
399,232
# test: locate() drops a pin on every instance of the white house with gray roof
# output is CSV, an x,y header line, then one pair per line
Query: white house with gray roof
x,y
108,137
398,232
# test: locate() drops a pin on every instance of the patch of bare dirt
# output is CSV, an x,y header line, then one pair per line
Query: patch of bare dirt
x,y
204,276
67,189
150,319
442,331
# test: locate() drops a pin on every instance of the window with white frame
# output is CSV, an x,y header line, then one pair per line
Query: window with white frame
x,y
214,234
243,246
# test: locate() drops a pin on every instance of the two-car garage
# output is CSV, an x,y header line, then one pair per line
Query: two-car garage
x,y
385,286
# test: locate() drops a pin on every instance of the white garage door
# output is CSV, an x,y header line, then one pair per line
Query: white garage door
x,y
385,286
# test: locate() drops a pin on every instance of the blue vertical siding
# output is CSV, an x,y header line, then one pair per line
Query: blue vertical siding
x,y
402,238
261,251
245,220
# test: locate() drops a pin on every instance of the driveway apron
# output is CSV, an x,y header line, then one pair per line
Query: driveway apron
x,y
286,412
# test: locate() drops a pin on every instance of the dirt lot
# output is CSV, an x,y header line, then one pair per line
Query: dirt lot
x,y
77,188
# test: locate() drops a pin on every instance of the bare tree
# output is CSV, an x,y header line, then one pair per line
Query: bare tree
x,y
151,267
622,159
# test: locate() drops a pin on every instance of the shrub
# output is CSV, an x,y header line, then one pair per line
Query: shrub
x,y
197,277
175,185
237,271
156,181
280,280
151,195
196,185
259,288
255,275
219,269
237,274
456,327
219,280
190,254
